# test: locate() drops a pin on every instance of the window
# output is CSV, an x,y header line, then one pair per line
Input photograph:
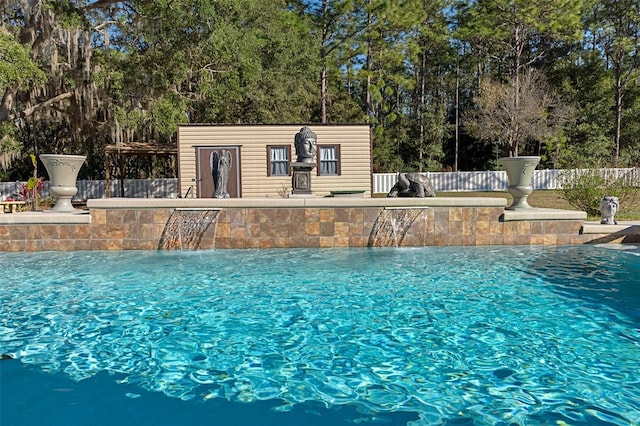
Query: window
x,y
278,159
329,160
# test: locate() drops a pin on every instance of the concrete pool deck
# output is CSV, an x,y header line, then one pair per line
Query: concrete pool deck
x,y
148,224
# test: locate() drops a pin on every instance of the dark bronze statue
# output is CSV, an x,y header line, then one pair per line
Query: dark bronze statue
x,y
305,143
412,185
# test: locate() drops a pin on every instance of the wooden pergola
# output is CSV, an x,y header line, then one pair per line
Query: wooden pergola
x,y
142,149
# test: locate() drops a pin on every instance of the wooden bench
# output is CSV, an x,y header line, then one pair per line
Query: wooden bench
x,y
10,206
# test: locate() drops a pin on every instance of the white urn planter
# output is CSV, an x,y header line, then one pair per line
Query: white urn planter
x,y
520,175
63,172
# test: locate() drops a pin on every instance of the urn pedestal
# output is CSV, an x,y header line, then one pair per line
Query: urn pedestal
x,y
301,178
520,174
63,173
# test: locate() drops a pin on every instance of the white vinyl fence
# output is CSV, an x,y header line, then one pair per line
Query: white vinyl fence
x,y
497,180
382,183
87,189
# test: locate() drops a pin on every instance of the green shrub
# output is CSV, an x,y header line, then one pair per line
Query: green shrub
x,y
584,189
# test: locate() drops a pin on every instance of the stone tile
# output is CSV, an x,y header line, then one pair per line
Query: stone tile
x,y
496,239
342,215
441,229
483,240
115,232
509,239
523,228
342,229
550,227
326,215
98,232
440,240
99,217
129,216
455,214
312,229
147,245
114,244
99,244
456,228
483,228
469,240
223,230
496,228
469,228
370,214
537,239
356,215
237,243
537,228
161,215
266,243
145,216
327,229
147,231
282,230
131,231
327,242
114,217
267,230
311,215
440,215
238,230
341,241
66,232
510,228
455,240
83,244
81,232
253,230
357,241
50,232
469,214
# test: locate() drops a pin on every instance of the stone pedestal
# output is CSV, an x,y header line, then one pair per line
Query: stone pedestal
x,y
301,178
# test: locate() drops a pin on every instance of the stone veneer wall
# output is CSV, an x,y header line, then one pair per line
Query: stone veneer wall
x,y
267,227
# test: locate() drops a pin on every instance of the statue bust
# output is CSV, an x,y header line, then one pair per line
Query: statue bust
x,y
305,143
609,206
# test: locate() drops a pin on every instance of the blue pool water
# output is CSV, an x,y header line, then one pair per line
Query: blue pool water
x,y
390,336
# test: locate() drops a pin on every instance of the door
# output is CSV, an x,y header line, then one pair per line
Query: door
x,y
204,171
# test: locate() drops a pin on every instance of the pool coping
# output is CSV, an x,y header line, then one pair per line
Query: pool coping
x,y
293,202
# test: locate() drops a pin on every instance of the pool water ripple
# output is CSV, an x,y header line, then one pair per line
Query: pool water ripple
x,y
512,335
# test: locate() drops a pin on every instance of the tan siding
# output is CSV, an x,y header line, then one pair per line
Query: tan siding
x,y
355,153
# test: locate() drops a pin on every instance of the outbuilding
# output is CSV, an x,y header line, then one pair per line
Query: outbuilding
x,y
261,158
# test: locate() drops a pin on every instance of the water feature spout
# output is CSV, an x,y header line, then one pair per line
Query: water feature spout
x,y
185,228
391,226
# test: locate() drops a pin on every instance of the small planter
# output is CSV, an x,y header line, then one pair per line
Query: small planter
x,y
520,174
63,172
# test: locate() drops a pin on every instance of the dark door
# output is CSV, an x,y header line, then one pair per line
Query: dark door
x,y
204,174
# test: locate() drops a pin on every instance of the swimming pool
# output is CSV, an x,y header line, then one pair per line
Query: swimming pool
x,y
401,336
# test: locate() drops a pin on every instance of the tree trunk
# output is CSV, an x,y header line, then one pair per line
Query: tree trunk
x,y
619,96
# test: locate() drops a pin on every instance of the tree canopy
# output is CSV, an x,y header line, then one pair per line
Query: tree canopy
x,y
444,84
